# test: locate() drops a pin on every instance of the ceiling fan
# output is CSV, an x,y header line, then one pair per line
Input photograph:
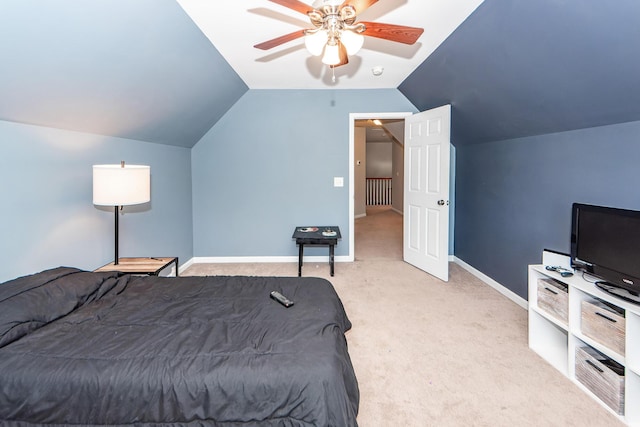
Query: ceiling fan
x,y
336,32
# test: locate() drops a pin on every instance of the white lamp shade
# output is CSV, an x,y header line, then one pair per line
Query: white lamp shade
x,y
315,42
352,41
117,185
331,55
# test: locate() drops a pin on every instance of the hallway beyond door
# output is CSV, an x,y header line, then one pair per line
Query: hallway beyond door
x,y
378,235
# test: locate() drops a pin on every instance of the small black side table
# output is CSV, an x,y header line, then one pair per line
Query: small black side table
x,y
316,236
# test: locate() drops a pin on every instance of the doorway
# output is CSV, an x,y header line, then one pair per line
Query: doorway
x,y
353,119
427,187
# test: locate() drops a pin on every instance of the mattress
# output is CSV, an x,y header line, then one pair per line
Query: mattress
x,y
83,348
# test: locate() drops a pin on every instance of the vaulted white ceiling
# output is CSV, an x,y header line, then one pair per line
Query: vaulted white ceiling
x,y
234,27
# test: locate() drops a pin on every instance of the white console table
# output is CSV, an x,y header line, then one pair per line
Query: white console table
x,y
556,341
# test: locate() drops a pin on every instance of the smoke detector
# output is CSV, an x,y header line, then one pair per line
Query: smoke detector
x,y
377,71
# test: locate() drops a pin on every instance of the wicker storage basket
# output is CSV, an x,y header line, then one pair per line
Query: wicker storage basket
x,y
604,325
553,298
603,376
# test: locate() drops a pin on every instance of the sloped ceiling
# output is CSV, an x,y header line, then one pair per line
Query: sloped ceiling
x,y
519,68
137,69
144,70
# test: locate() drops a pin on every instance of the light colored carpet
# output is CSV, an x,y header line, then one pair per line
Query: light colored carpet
x,y
430,353
378,235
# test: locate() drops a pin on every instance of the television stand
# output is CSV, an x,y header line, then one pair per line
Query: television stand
x,y
588,333
619,292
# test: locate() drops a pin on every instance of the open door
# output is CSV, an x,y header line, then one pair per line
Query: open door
x,y
426,191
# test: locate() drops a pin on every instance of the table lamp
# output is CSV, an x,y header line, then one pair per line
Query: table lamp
x,y
121,185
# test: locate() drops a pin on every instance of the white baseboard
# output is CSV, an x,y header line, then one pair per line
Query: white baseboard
x,y
184,266
489,281
284,259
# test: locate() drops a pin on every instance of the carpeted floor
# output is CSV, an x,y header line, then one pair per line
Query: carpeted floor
x,y
430,353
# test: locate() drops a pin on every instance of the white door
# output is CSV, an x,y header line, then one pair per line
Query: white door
x,y
426,191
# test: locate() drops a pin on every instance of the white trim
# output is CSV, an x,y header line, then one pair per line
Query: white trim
x,y
325,259
489,281
264,259
183,267
352,193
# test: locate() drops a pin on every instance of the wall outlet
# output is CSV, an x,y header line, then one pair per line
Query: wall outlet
x,y
338,181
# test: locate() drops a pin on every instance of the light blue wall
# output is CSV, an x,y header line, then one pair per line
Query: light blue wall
x,y
48,218
514,197
140,69
268,165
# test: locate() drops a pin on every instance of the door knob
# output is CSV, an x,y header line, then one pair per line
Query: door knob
x,y
442,202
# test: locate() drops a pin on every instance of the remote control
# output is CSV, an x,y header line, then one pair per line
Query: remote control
x,y
281,299
564,272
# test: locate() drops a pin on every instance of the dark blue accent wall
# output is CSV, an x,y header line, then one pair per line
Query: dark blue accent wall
x,y
519,68
514,197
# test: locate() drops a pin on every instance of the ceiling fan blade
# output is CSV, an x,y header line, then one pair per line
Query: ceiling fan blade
x,y
359,5
395,33
280,40
296,5
342,54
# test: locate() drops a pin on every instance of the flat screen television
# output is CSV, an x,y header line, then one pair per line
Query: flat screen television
x,y
605,242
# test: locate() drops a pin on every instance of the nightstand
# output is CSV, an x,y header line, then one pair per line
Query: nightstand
x,y
151,266
316,236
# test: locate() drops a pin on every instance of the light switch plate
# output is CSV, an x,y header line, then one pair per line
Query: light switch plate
x,y
338,181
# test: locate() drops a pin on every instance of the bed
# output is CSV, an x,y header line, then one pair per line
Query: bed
x,y
86,348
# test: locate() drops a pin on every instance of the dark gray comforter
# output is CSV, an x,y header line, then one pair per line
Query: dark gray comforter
x,y
81,348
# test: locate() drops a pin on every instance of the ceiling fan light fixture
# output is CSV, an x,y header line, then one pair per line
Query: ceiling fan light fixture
x,y
337,34
315,42
331,55
352,41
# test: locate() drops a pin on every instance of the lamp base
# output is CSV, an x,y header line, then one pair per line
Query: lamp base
x,y
115,210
